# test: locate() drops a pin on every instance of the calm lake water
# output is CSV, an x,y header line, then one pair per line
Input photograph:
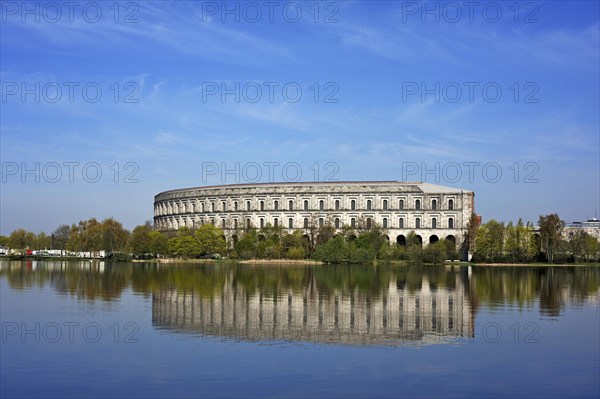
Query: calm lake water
x,y
82,329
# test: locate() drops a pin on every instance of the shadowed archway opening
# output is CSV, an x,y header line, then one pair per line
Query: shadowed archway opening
x,y
401,240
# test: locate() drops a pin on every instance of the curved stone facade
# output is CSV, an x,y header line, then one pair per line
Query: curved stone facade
x,y
433,212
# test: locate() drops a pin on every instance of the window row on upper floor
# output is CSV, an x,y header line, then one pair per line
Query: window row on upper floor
x,y
262,205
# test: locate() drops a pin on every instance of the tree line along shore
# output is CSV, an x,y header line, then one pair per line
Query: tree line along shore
x,y
492,242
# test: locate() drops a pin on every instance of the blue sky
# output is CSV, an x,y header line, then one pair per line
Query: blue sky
x,y
171,93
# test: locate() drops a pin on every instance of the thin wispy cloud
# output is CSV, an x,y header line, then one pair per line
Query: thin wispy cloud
x,y
366,51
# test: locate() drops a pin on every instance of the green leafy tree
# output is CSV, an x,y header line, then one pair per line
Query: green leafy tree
x,y
472,228
91,235
576,243
74,242
523,236
246,247
184,246
393,252
511,242
295,253
435,253
294,245
20,240
489,242
583,245
414,249
42,241
114,236
159,243
270,242
551,227
372,241
333,251
61,237
211,240
591,248
140,241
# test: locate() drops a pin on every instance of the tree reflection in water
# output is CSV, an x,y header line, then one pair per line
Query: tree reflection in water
x,y
351,303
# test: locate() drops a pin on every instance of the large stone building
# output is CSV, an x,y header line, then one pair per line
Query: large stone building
x,y
432,211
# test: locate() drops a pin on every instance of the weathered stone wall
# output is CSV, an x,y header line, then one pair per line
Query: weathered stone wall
x,y
431,211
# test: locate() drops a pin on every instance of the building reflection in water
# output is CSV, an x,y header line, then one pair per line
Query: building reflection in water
x,y
394,316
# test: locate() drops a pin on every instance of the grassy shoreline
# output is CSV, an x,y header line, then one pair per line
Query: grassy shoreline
x,y
276,261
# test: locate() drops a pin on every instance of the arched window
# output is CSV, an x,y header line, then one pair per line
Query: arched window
x,y
306,223
368,205
385,223
418,204
202,206
353,205
368,223
290,223
212,221
418,223
434,223
450,223
224,204
321,205
337,205
291,205
248,224
276,205
262,206
235,205
247,205
434,204
401,205
353,223
275,222
306,205
235,225
212,206
401,223
262,223
223,224
451,205
321,222
337,223
385,205
192,207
